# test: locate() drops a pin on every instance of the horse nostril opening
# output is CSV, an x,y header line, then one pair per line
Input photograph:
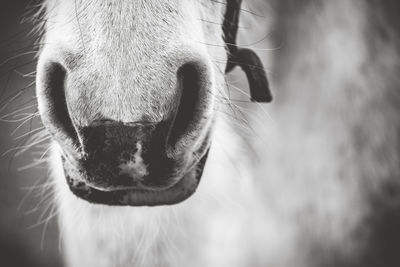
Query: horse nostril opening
x,y
188,111
53,104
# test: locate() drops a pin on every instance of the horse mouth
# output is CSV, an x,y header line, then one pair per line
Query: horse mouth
x,y
152,160
139,195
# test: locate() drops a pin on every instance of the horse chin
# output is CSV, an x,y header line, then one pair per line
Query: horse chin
x,y
141,195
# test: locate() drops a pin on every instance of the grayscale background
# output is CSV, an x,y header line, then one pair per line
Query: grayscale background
x,y
24,239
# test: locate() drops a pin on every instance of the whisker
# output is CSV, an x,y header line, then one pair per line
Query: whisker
x,y
237,63
30,132
27,116
18,110
23,148
21,125
242,9
32,165
26,75
19,66
8,100
220,24
258,104
17,56
30,189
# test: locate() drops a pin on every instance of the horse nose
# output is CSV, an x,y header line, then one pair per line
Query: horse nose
x,y
188,105
111,153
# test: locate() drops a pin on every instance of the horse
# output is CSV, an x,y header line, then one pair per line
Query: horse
x,y
153,166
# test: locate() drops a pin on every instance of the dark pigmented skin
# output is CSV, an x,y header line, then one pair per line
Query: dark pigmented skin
x,y
107,146
119,197
96,175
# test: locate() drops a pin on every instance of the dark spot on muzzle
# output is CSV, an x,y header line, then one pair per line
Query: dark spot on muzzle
x,y
118,155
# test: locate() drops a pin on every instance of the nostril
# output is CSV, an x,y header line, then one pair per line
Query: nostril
x,y
53,104
192,85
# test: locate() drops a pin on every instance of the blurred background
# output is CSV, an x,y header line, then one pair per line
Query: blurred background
x,y
27,238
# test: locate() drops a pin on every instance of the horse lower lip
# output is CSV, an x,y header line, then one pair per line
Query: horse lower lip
x,y
138,186
132,196
177,193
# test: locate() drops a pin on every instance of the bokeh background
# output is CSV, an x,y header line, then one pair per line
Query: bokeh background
x,y
26,237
